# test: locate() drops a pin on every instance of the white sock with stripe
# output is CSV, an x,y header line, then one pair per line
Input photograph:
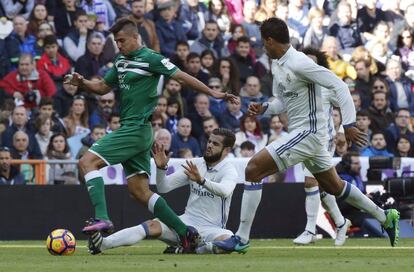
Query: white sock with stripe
x,y
312,202
125,237
252,195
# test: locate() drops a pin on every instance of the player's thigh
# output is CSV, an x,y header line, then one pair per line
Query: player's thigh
x,y
124,143
138,164
290,149
260,166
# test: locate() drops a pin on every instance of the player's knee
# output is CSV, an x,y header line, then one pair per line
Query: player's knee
x,y
154,228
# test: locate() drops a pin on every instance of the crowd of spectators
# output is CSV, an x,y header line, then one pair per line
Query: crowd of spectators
x,y
368,43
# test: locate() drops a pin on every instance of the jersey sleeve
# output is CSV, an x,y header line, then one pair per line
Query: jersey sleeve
x,y
311,72
111,77
160,65
227,184
170,182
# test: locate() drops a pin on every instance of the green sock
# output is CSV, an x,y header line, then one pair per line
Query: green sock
x,y
96,190
168,216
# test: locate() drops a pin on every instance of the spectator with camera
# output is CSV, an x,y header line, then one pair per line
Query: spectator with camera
x,y
9,175
27,84
398,128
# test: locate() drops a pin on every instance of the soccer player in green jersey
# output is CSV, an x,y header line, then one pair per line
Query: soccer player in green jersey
x,y
136,72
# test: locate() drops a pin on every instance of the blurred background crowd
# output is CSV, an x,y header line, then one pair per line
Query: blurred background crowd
x,y
368,43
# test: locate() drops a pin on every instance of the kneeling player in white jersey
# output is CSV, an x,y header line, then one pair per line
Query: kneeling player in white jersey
x,y
212,180
314,195
297,82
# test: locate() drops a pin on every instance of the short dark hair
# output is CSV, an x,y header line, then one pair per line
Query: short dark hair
x,y
320,56
403,109
125,24
49,40
362,113
229,136
79,13
192,55
98,126
209,118
114,114
276,29
247,145
183,43
376,132
243,39
45,101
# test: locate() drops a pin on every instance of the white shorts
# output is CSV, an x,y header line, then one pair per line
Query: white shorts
x,y
297,147
331,149
207,233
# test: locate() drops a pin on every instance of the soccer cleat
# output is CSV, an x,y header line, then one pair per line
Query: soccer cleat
x,y
98,225
341,233
305,238
94,243
391,225
174,250
190,240
233,243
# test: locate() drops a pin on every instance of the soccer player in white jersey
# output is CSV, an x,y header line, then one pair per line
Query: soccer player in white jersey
x,y
212,180
297,82
314,195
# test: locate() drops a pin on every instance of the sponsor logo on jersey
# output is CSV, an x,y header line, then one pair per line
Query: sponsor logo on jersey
x,y
167,64
200,192
290,94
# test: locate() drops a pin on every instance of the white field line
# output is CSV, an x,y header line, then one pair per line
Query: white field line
x,y
251,248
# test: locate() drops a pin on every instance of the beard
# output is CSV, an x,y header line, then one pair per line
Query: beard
x,y
213,158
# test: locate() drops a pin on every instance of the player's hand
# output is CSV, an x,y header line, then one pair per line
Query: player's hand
x,y
356,136
226,96
160,157
191,171
255,109
73,79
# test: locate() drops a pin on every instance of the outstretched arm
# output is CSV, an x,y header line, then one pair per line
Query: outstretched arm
x,y
199,86
95,86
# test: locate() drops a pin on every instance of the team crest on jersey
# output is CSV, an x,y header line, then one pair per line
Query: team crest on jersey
x,y
281,87
288,78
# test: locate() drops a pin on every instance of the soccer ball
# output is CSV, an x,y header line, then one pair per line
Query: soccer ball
x,y
61,242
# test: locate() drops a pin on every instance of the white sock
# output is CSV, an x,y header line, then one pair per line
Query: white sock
x,y
252,195
330,205
353,196
151,202
125,237
312,202
207,248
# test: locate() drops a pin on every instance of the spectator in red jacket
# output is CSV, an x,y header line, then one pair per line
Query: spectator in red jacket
x,y
52,62
28,84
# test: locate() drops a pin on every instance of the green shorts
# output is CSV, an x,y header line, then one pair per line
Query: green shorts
x,y
129,145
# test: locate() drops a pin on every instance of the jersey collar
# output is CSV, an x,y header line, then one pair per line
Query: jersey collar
x,y
285,57
216,167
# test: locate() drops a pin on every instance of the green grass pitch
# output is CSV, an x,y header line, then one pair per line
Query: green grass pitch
x,y
264,255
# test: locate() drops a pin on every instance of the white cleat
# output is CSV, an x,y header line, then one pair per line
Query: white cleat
x,y
341,233
305,238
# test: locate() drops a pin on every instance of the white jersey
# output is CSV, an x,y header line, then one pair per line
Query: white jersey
x,y
297,88
328,102
208,204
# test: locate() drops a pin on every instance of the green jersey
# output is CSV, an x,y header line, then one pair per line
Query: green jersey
x,y
137,77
